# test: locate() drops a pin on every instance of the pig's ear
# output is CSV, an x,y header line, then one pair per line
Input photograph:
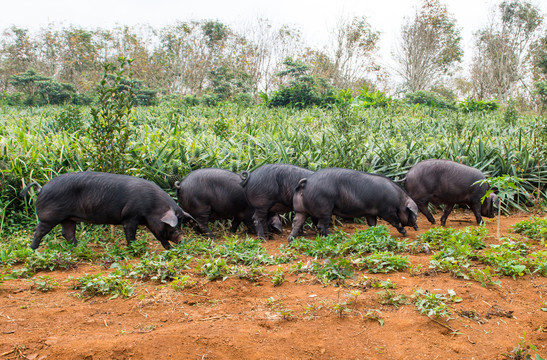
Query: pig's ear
x,y
170,218
411,205
495,199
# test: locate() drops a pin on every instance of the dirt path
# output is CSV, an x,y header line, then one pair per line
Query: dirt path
x,y
233,319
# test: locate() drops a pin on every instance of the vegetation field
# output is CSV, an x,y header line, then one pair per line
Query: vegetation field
x,y
458,292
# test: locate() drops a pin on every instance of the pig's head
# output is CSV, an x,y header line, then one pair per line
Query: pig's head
x,y
490,205
172,220
409,214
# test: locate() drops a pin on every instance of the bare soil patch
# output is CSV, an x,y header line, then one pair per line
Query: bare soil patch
x,y
232,319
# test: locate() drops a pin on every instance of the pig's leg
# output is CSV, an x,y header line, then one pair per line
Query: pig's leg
x,y
371,220
447,210
130,229
260,218
298,223
69,231
39,232
274,222
323,225
250,225
423,208
203,222
235,224
476,208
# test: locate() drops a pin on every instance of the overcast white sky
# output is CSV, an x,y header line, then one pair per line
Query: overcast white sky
x,y
315,18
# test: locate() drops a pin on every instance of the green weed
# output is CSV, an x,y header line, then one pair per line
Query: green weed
x,y
111,284
45,283
382,262
391,297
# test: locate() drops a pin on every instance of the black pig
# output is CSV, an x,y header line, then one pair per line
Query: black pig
x,y
103,198
215,194
448,182
270,190
351,194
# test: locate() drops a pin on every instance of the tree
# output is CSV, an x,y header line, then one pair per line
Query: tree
x,y
302,89
429,46
539,59
111,127
354,46
501,61
16,54
27,82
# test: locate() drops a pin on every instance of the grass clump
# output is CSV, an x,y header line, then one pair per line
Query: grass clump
x,y
434,304
535,228
382,262
161,267
373,239
112,284
507,258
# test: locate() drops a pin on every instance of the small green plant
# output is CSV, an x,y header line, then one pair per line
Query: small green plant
x,y
335,269
213,269
391,297
7,257
161,267
374,314
312,311
507,258
535,228
69,119
279,307
469,105
511,113
386,284
111,284
432,304
179,283
522,351
507,187
537,263
251,273
484,276
278,277
382,262
416,270
45,283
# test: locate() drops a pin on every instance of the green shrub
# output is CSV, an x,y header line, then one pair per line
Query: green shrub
x,y
371,99
535,229
69,119
382,262
471,105
429,99
45,283
112,284
432,304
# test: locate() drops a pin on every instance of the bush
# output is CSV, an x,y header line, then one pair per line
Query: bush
x,y
471,105
303,90
209,100
429,99
15,99
55,93
371,99
244,99
69,119
296,96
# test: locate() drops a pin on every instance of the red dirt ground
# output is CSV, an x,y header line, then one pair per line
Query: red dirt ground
x,y
231,319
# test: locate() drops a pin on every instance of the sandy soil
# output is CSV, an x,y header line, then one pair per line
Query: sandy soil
x,y
231,319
